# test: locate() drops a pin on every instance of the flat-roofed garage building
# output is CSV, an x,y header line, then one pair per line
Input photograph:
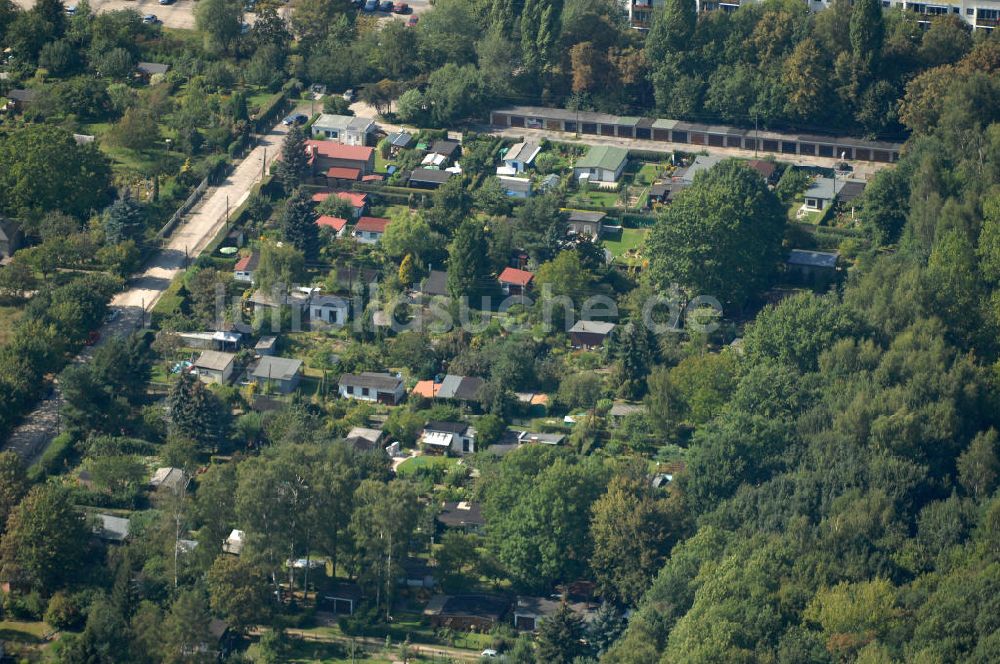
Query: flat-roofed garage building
x,y
588,123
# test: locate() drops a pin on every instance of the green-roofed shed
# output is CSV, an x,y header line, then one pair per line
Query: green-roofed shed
x,y
602,163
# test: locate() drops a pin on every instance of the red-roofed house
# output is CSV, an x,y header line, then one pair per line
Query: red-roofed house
x,y
426,388
245,267
343,174
327,154
767,169
320,196
514,281
370,229
336,224
357,200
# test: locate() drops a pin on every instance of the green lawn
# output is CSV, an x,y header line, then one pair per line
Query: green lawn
x,y
8,316
381,164
605,199
624,247
425,461
647,174
809,217
23,632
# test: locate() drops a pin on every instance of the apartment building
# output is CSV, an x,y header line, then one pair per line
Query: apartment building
x,y
979,14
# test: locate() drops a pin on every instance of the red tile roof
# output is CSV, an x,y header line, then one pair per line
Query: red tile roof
x,y
341,173
511,275
374,177
244,263
357,200
426,388
765,168
334,150
372,224
336,223
320,196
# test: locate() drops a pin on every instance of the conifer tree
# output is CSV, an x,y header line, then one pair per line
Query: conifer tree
x,y
298,224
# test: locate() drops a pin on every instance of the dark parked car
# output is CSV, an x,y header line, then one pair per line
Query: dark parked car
x,y
401,8
295,119
385,6
150,19
370,6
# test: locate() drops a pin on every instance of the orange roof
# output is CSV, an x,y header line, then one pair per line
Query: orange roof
x,y
357,200
372,224
320,197
336,223
426,388
333,150
244,263
511,275
341,173
374,177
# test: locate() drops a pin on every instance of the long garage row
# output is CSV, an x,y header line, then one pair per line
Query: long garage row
x,y
692,133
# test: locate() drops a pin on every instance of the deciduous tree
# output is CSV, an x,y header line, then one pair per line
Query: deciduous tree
x,y
41,549
721,237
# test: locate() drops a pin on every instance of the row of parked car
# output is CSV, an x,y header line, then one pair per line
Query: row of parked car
x,y
387,6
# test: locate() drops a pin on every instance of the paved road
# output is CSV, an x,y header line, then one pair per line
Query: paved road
x,y
188,239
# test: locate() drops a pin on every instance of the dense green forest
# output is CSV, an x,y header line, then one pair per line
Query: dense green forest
x,y
844,485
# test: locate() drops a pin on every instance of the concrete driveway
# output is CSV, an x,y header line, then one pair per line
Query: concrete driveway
x,y
189,238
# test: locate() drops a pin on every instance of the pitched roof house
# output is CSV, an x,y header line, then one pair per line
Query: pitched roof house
x,y
369,230
447,149
462,515
329,309
336,224
171,479
428,178
583,222
466,612
246,266
521,155
514,281
589,333
111,528
281,372
214,366
435,283
515,187
358,201
448,437
370,386
327,154
343,174
602,163
146,71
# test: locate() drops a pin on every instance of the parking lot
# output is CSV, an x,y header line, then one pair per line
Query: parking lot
x,y
180,14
